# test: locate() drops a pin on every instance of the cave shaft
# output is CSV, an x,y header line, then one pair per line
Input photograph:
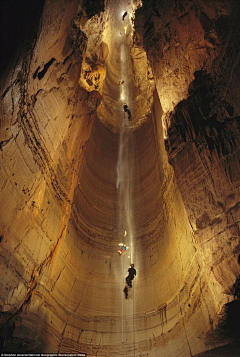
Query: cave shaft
x,y
78,177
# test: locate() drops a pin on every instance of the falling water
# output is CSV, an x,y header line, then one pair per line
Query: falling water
x,y
124,187
125,164
124,171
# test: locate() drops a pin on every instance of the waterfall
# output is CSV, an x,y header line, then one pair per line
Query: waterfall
x,y
125,163
124,184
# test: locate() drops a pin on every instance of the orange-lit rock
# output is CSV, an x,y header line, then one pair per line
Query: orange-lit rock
x,y
92,77
77,178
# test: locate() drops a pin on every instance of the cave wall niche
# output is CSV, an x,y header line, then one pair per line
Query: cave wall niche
x,y
63,213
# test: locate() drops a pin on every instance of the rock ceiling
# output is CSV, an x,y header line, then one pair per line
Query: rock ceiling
x,y
78,178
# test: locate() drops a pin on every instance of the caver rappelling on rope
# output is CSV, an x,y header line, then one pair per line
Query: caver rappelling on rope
x,y
126,110
129,278
124,15
123,248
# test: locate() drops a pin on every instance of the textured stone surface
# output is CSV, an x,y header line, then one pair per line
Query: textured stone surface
x,y
77,178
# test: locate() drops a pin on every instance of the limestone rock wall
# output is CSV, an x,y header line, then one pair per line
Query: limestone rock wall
x,y
189,46
181,38
61,214
44,129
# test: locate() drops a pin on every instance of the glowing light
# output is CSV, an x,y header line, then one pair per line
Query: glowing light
x,y
125,233
123,249
123,245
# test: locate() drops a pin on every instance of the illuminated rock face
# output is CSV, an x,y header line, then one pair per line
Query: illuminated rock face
x,y
77,179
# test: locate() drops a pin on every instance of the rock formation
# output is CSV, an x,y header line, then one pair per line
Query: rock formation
x,y
78,178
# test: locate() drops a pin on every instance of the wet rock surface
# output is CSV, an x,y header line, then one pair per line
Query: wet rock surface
x,y
62,215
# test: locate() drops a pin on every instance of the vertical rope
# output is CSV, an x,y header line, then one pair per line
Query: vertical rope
x,y
133,324
124,172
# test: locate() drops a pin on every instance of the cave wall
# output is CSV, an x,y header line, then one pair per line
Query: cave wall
x,y
194,53
44,129
61,286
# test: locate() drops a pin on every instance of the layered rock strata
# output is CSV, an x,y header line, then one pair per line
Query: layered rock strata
x,y
63,209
